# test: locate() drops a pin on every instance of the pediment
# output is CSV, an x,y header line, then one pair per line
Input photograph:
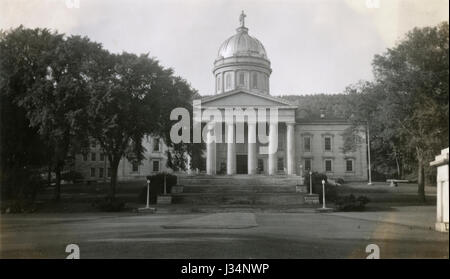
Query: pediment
x,y
244,99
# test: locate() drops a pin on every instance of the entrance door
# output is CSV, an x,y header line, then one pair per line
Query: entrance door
x,y
241,164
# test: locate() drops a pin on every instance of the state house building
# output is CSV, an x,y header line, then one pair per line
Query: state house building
x,y
242,72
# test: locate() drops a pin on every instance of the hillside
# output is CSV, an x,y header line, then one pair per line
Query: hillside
x,y
335,106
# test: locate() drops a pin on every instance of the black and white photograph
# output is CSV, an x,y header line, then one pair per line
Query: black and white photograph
x,y
224,134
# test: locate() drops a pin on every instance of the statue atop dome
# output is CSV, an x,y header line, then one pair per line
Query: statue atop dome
x,y
242,19
242,44
242,63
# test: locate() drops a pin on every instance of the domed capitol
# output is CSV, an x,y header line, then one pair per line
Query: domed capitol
x,y
241,74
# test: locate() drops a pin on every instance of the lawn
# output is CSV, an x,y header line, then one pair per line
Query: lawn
x,y
381,193
80,197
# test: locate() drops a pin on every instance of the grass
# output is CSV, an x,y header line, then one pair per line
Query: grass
x,y
381,192
79,197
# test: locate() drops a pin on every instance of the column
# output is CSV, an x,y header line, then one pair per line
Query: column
x,y
210,151
273,147
251,163
231,150
290,148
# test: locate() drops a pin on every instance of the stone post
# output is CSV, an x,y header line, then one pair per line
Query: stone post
x,y
442,208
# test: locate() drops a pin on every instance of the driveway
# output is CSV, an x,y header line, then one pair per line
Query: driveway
x,y
223,235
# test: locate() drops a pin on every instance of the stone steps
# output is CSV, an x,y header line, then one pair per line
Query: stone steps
x,y
239,198
221,189
240,180
238,190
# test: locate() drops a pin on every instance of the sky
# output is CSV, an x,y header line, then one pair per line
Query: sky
x,y
315,46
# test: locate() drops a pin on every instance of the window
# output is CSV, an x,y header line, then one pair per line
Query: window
x,y
241,79
307,164
219,84
327,143
228,81
156,145
349,165
328,165
134,166
280,164
156,166
307,144
85,157
102,156
109,172
100,172
92,172
255,80
93,156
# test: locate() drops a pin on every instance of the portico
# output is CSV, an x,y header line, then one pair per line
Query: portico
x,y
249,129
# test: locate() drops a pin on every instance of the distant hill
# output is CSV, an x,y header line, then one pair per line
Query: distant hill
x,y
335,106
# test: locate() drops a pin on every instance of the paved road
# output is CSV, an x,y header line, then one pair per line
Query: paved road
x,y
271,235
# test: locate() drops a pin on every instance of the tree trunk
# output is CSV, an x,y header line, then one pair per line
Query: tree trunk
x,y
58,181
49,175
421,179
113,183
399,175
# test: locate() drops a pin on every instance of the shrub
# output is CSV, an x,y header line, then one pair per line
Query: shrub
x,y
19,206
157,186
330,190
340,181
21,185
109,205
316,178
379,176
351,203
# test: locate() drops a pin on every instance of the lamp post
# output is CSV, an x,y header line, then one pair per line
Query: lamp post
x,y
165,191
323,194
368,155
310,182
324,208
148,193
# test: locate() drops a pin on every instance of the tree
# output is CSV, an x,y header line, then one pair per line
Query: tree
x,y
49,78
56,102
407,104
22,152
414,75
182,96
367,102
132,97
72,91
